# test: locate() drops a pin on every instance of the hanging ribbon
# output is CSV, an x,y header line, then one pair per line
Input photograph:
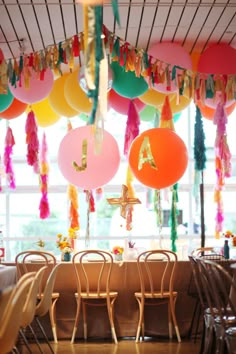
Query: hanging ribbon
x,y
132,126
44,169
199,154
166,120
9,143
222,163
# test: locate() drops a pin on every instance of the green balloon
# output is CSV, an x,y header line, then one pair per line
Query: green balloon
x,y
5,100
84,117
126,83
177,116
148,114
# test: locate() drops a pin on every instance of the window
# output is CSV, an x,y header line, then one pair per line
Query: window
x,y
19,213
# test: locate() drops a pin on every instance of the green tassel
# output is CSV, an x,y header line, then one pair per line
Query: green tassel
x,y
145,60
210,88
173,218
116,11
116,48
60,57
21,64
98,57
173,73
199,142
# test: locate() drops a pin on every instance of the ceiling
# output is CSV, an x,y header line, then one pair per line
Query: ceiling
x,y
32,25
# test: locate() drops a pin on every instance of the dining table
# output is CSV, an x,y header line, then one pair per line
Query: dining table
x,y
8,276
125,280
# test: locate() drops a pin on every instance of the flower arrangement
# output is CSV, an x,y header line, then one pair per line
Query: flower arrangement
x,y
40,243
64,242
117,250
228,234
131,244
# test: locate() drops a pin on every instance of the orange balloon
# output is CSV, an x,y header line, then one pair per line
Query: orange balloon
x,y
154,98
208,112
15,110
158,158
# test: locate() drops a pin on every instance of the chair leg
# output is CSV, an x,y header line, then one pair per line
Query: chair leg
x,y
172,309
76,321
170,322
110,311
140,321
36,339
44,334
52,319
84,310
22,334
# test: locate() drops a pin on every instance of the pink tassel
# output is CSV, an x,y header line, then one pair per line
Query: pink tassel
x,y
44,205
9,143
32,141
132,127
222,152
1,173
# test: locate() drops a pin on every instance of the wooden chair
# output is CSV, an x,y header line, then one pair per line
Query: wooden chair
x,y
30,308
94,293
152,292
206,252
217,286
24,262
12,316
46,305
201,311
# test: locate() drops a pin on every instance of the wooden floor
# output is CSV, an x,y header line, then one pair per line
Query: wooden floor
x,y
124,346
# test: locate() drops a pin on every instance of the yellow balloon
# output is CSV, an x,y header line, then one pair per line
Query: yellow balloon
x,y
44,114
74,94
57,98
177,107
154,98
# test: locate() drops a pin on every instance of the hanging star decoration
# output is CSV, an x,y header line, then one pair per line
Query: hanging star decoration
x,y
124,201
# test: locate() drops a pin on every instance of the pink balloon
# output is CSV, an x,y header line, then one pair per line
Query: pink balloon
x,y
121,104
173,54
218,59
100,167
38,89
213,102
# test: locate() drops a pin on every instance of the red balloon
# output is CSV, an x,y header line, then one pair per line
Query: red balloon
x,y
121,104
15,110
158,158
218,59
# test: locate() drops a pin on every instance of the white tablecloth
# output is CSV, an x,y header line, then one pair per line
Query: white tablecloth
x,y
7,276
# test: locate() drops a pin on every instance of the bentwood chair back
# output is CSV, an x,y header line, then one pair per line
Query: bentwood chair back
x,y
94,293
206,252
153,292
219,286
12,316
27,260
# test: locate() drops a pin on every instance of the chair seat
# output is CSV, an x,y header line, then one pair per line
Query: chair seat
x,y
164,295
54,296
103,295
